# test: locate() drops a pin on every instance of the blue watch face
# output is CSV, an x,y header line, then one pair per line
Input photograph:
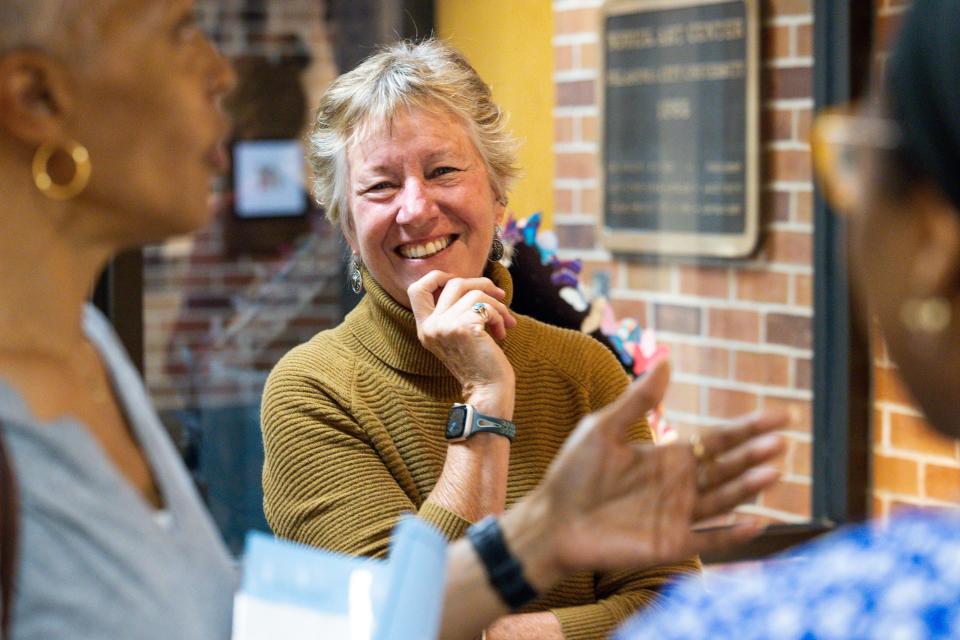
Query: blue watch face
x,y
456,422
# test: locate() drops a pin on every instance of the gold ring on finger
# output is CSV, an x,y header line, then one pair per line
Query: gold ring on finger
x,y
702,480
480,309
699,450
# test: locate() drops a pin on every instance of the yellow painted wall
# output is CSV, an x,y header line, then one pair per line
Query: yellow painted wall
x,y
509,44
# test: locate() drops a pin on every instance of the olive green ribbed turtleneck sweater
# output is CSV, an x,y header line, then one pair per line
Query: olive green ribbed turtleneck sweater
x,y
353,425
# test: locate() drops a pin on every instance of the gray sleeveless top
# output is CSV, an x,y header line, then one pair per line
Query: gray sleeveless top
x,y
94,561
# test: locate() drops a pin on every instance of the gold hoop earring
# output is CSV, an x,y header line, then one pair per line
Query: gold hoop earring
x,y
81,172
356,277
928,316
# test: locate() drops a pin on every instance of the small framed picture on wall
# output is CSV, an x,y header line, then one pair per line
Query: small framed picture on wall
x,y
269,179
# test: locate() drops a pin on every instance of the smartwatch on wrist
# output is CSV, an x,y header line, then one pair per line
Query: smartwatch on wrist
x,y
464,421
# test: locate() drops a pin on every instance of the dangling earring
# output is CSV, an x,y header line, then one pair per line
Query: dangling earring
x,y
81,172
496,249
927,316
356,278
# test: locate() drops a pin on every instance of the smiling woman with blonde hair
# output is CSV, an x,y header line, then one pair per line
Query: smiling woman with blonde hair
x,y
431,397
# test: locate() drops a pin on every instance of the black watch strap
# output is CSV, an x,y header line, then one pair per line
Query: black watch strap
x,y
489,424
503,569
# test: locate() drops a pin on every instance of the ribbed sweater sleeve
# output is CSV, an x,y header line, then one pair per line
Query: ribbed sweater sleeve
x,y
308,431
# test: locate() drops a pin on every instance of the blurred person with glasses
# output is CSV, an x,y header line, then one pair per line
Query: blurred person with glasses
x,y
890,166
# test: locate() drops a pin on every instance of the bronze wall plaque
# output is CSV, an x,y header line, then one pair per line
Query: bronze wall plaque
x,y
679,160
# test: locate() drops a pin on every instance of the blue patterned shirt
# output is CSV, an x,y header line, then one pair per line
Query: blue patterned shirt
x,y
899,581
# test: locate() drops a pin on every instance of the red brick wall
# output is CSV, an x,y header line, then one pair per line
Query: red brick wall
x,y
216,321
740,331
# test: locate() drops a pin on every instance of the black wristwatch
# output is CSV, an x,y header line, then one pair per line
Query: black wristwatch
x,y
464,421
503,569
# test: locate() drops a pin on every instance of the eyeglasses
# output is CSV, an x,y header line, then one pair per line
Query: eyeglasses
x,y
840,141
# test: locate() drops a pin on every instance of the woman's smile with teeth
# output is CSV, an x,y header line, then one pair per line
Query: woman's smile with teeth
x,y
425,249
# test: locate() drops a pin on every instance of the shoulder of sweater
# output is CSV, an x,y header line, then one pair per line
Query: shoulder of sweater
x,y
323,362
571,352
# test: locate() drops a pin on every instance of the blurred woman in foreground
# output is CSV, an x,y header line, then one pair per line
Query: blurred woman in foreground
x,y
893,165
110,131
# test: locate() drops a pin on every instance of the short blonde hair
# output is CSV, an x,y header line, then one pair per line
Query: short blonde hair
x,y
427,75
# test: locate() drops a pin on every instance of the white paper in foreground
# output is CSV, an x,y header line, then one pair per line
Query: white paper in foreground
x,y
293,592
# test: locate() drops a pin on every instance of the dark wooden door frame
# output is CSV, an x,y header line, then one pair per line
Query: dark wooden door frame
x,y
842,358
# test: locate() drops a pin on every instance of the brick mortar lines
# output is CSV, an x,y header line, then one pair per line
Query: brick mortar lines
x,y
912,499
705,303
717,384
890,408
888,10
922,459
598,254
574,75
896,407
727,346
800,20
794,62
574,39
573,5
796,479
793,144
787,186
574,219
576,183
702,420
747,264
575,110
576,147
788,103
797,227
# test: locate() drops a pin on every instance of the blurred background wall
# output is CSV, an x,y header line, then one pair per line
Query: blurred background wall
x,y
222,306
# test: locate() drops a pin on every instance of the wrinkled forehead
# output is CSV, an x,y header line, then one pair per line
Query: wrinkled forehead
x,y
375,127
379,123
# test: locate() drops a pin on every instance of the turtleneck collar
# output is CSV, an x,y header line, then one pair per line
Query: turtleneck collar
x,y
388,330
